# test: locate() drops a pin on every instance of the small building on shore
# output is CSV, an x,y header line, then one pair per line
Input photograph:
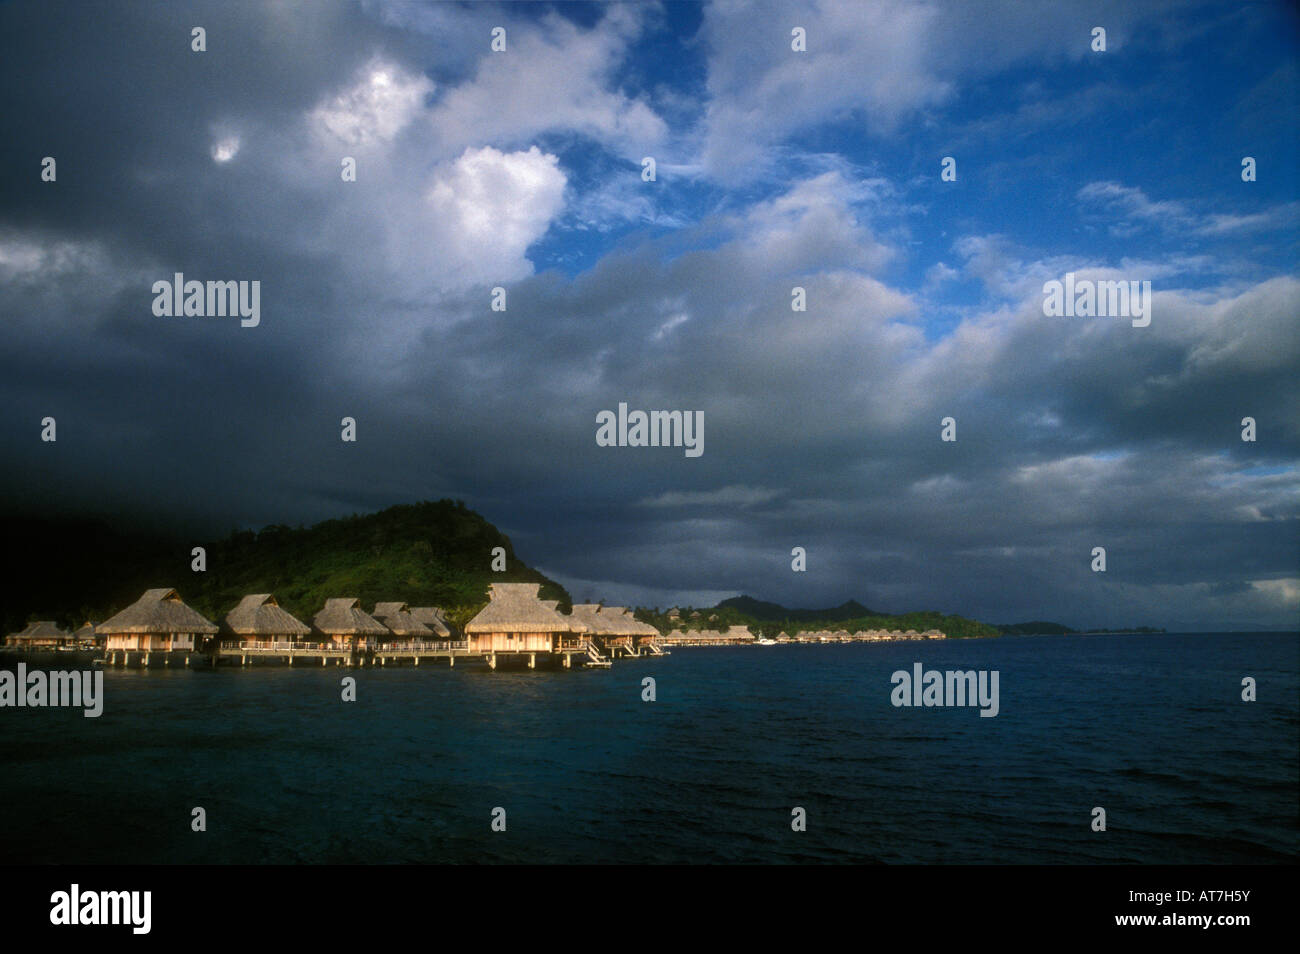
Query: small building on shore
x,y
343,623
41,634
159,621
260,618
401,623
515,620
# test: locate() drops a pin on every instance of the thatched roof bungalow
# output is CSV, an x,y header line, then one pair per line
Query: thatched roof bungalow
x,y
259,617
159,621
434,618
516,621
641,632
397,617
343,621
42,634
612,625
600,621
86,637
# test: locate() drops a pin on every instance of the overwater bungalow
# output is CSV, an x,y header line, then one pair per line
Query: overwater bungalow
x,y
602,626
631,631
644,634
42,634
86,638
401,623
435,619
158,622
344,623
259,619
615,629
516,621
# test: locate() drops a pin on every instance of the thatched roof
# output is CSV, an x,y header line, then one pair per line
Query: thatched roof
x,y
158,611
343,616
42,629
260,615
633,626
87,631
597,623
515,608
611,620
397,617
432,617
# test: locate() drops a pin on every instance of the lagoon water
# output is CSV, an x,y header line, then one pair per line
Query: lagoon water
x,y
1152,728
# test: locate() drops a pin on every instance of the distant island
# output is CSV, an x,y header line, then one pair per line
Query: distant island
x,y
1059,629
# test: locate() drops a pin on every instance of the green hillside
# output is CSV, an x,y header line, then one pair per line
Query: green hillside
x,y
430,553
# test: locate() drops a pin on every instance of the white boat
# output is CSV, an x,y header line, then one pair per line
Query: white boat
x,y
765,642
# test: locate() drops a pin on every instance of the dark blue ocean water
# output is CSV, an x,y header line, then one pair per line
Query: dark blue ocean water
x,y
1152,728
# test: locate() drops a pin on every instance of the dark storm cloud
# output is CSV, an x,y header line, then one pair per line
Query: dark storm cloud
x,y
821,428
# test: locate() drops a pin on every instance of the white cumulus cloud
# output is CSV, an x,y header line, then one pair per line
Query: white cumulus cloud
x,y
381,101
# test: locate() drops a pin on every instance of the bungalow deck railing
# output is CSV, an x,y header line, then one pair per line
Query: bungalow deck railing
x,y
282,645
424,646
405,646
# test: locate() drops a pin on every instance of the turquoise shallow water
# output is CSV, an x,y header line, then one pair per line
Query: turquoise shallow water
x,y
1152,728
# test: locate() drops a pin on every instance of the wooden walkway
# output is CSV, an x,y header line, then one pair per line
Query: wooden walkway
x,y
573,654
241,656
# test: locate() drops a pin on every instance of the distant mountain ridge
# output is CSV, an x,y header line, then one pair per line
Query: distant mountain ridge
x,y
771,612
771,619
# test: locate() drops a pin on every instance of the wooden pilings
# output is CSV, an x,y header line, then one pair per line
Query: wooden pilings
x,y
258,656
